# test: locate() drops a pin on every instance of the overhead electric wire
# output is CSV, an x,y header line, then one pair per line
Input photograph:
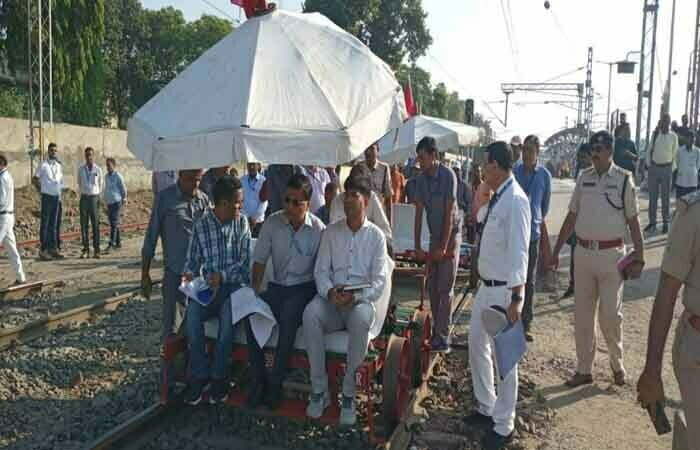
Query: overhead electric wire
x,y
564,74
510,38
213,6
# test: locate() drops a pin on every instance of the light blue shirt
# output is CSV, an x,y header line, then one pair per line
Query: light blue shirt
x,y
115,189
537,185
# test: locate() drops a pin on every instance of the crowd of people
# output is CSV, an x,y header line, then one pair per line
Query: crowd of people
x,y
329,253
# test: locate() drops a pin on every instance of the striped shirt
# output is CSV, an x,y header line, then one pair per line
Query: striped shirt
x,y
220,247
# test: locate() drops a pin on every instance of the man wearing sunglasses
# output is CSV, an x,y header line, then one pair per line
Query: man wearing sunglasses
x,y
602,208
290,237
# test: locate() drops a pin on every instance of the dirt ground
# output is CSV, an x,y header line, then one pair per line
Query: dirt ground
x,y
28,211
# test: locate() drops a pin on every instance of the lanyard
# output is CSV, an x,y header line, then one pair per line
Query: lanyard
x,y
492,204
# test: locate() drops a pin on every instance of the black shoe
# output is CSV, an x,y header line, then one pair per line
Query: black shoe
x,y
195,392
476,419
664,230
256,395
495,441
218,392
274,396
529,337
568,293
650,227
108,249
85,254
118,246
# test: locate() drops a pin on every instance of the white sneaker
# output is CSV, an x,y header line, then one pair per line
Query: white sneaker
x,y
318,404
348,416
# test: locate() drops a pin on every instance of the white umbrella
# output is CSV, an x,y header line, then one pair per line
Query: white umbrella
x,y
400,144
282,88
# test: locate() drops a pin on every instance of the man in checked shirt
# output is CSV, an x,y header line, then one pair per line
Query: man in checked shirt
x,y
220,252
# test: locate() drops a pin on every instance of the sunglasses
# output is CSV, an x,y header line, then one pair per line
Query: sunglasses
x,y
294,201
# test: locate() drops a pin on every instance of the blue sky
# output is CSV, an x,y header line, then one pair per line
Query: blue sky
x,y
473,55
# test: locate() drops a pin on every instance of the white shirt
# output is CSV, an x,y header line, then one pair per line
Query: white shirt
x,y
319,178
505,239
252,206
375,213
688,163
348,258
50,175
90,179
7,192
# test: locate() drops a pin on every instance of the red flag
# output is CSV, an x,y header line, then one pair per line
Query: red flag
x,y
250,6
408,98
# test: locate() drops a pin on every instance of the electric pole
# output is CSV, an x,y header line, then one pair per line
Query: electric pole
x,y
645,86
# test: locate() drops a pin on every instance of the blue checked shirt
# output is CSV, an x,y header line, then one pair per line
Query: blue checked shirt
x,y
223,248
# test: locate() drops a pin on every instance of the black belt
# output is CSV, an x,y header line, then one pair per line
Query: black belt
x,y
6,212
493,283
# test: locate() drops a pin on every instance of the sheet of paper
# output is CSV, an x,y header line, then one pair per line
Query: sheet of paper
x,y
510,348
245,303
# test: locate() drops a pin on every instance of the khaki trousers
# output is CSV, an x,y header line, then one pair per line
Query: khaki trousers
x,y
598,292
686,364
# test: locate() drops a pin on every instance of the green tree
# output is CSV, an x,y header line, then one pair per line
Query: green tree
x,y
78,34
439,101
202,34
392,29
455,108
420,85
12,102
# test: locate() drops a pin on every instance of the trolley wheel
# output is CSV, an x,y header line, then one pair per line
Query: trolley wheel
x,y
396,380
421,333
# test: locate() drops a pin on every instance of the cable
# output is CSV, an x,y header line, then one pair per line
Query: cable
x,y
510,38
213,6
578,69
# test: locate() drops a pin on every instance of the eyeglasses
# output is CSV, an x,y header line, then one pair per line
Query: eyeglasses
x,y
294,201
598,148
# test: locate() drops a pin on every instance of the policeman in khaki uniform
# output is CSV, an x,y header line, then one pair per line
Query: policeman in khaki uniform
x,y
680,266
603,206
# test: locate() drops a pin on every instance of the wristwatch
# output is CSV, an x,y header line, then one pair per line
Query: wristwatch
x,y
516,298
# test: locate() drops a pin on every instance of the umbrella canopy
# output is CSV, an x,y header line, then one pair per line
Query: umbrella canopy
x,y
284,88
400,144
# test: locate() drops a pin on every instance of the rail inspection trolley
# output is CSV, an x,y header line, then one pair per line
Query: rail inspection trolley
x,y
398,360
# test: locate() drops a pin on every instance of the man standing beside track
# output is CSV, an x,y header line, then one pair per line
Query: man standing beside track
x,y
90,184
536,182
7,220
290,237
174,212
49,180
602,208
436,191
503,262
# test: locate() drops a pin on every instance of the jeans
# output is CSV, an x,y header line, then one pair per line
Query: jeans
x,y
287,304
48,228
195,317
113,214
89,209
533,255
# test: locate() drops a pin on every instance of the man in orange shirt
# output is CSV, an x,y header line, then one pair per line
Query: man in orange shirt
x,y
398,183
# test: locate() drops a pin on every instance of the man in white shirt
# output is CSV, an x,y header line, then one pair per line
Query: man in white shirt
x,y
375,210
253,207
90,184
661,162
352,252
319,179
7,220
687,165
503,259
49,180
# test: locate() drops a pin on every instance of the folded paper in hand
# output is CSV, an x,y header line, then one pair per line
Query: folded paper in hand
x,y
245,303
510,347
198,290
623,263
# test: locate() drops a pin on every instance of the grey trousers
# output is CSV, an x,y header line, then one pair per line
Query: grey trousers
x,y
322,317
173,302
89,213
441,284
659,181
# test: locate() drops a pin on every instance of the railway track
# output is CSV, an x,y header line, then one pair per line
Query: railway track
x,y
37,328
144,426
74,235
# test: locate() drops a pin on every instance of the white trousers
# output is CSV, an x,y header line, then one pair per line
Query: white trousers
x,y
7,239
500,406
321,317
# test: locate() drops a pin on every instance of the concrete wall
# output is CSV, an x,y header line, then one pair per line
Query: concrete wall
x,y
71,141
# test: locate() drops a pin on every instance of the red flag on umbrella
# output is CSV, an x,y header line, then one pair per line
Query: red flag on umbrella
x,y
251,6
408,98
